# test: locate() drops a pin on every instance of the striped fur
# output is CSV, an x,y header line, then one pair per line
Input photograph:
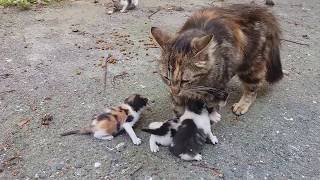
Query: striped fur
x,y
215,44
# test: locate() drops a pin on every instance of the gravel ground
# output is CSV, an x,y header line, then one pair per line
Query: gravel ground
x,y
52,63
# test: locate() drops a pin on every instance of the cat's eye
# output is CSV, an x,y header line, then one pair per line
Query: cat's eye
x,y
185,81
166,80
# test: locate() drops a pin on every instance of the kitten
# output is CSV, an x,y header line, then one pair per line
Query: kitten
x,y
111,122
124,5
215,44
161,133
193,131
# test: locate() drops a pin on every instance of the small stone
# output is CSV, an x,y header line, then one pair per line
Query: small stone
x,y
78,164
142,86
97,164
110,12
75,30
305,36
314,102
270,3
285,72
80,172
95,1
59,166
120,146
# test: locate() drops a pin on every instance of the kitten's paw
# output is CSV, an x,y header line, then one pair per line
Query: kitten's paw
x,y
214,140
136,141
154,148
240,108
198,157
215,117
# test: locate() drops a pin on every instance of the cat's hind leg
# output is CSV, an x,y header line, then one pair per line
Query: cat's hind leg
x,y
153,144
135,2
102,135
252,78
248,97
125,5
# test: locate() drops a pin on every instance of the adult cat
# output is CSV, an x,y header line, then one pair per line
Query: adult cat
x,y
215,44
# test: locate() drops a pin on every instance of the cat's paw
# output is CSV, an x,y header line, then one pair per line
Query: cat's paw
x,y
136,141
240,108
154,148
214,140
215,117
198,157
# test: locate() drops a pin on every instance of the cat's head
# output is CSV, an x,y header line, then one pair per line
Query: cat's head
x,y
136,101
185,65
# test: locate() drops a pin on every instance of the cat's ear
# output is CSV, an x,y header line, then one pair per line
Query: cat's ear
x,y
198,45
160,36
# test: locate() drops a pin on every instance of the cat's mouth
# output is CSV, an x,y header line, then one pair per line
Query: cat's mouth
x,y
200,93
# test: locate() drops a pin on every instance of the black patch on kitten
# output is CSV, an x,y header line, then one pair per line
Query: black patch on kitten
x,y
129,118
137,103
188,139
103,116
195,106
161,131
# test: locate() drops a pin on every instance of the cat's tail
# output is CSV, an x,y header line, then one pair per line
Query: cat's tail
x,y
84,131
157,128
274,67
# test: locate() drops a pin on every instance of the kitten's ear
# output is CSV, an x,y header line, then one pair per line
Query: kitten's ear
x,y
160,36
198,44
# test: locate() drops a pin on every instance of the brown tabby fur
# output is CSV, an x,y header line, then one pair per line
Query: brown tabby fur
x,y
215,44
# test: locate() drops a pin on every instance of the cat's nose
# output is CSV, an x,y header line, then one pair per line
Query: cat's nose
x,y
175,90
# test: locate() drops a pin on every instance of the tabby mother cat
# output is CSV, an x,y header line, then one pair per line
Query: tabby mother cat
x,y
215,44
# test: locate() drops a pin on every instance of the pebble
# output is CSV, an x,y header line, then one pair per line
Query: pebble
x,y
79,172
120,146
97,164
314,102
288,119
78,164
59,166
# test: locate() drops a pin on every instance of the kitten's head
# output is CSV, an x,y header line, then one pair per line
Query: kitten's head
x,y
136,101
185,65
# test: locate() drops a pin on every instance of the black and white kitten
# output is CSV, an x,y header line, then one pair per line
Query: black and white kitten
x,y
193,130
162,133
124,5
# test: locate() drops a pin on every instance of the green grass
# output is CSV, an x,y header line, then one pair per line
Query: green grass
x,y
23,4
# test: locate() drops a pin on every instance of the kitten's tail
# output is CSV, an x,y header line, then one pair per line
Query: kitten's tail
x,y
158,131
83,131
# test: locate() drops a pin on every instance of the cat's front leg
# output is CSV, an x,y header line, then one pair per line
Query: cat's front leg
x,y
213,139
215,117
128,128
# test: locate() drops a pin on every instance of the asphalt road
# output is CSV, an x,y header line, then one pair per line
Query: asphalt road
x,y
52,62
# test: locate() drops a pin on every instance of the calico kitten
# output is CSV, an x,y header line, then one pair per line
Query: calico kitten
x,y
109,123
215,44
124,5
193,130
161,133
